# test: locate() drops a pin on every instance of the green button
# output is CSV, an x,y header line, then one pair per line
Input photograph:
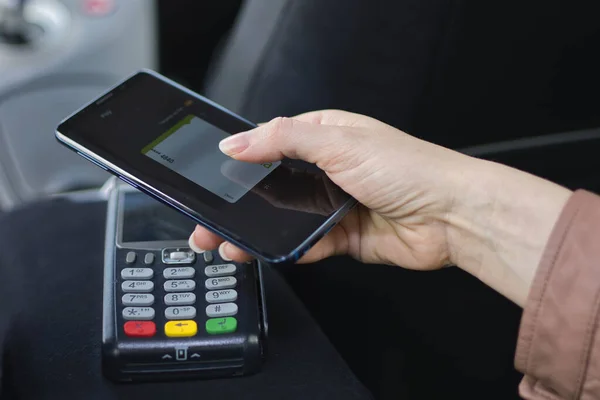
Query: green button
x,y
216,326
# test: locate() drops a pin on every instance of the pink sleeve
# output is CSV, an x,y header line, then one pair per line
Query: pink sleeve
x,y
559,341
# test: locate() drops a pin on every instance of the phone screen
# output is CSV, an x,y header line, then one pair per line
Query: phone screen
x,y
188,149
168,138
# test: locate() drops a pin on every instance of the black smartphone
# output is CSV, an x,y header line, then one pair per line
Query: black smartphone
x,y
162,138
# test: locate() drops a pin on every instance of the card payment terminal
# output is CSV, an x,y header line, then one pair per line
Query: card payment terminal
x,y
168,312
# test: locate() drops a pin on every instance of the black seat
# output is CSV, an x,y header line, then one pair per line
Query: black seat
x,y
458,73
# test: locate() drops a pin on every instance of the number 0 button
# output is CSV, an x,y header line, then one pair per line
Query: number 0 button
x,y
186,285
188,312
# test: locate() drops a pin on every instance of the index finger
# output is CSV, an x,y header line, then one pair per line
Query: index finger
x,y
202,240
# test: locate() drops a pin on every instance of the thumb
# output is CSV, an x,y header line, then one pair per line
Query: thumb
x,y
286,137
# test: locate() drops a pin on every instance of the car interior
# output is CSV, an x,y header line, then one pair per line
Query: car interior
x,y
512,82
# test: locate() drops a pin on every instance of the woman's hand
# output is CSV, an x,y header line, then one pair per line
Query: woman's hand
x,y
404,196
422,206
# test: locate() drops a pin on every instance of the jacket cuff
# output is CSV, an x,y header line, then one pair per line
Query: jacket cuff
x,y
559,323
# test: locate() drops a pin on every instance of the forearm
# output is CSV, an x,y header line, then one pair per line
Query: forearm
x,y
500,224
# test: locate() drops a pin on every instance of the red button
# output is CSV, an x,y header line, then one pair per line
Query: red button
x,y
140,328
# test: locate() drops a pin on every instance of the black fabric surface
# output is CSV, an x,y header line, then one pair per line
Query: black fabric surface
x,y
455,72
51,298
458,73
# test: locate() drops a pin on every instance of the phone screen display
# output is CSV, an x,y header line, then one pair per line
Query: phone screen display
x,y
168,138
188,148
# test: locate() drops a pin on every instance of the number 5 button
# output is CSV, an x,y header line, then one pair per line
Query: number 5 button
x,y
186,285
227,282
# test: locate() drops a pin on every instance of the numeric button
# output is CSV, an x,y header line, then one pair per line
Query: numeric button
x,y
186,285
220,270
137,273
226,282
137,286
221,296
139,299
180,312
179,273
180,299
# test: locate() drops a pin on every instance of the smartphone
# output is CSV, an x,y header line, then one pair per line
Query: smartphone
x,y
162,139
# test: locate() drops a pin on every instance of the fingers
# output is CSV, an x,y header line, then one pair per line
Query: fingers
x,y
336,118
203,240
286,137
230,252
328,117
334,243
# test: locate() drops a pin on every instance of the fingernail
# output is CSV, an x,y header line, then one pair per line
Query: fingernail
x,y
194,246
222,252
235,144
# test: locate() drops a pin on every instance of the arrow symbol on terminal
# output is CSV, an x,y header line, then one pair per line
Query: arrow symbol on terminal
x,y
181,324
195,355
166,357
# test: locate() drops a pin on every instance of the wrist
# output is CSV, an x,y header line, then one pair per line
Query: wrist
x,y
499,225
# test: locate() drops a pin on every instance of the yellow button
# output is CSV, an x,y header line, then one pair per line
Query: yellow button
x,y
181,328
